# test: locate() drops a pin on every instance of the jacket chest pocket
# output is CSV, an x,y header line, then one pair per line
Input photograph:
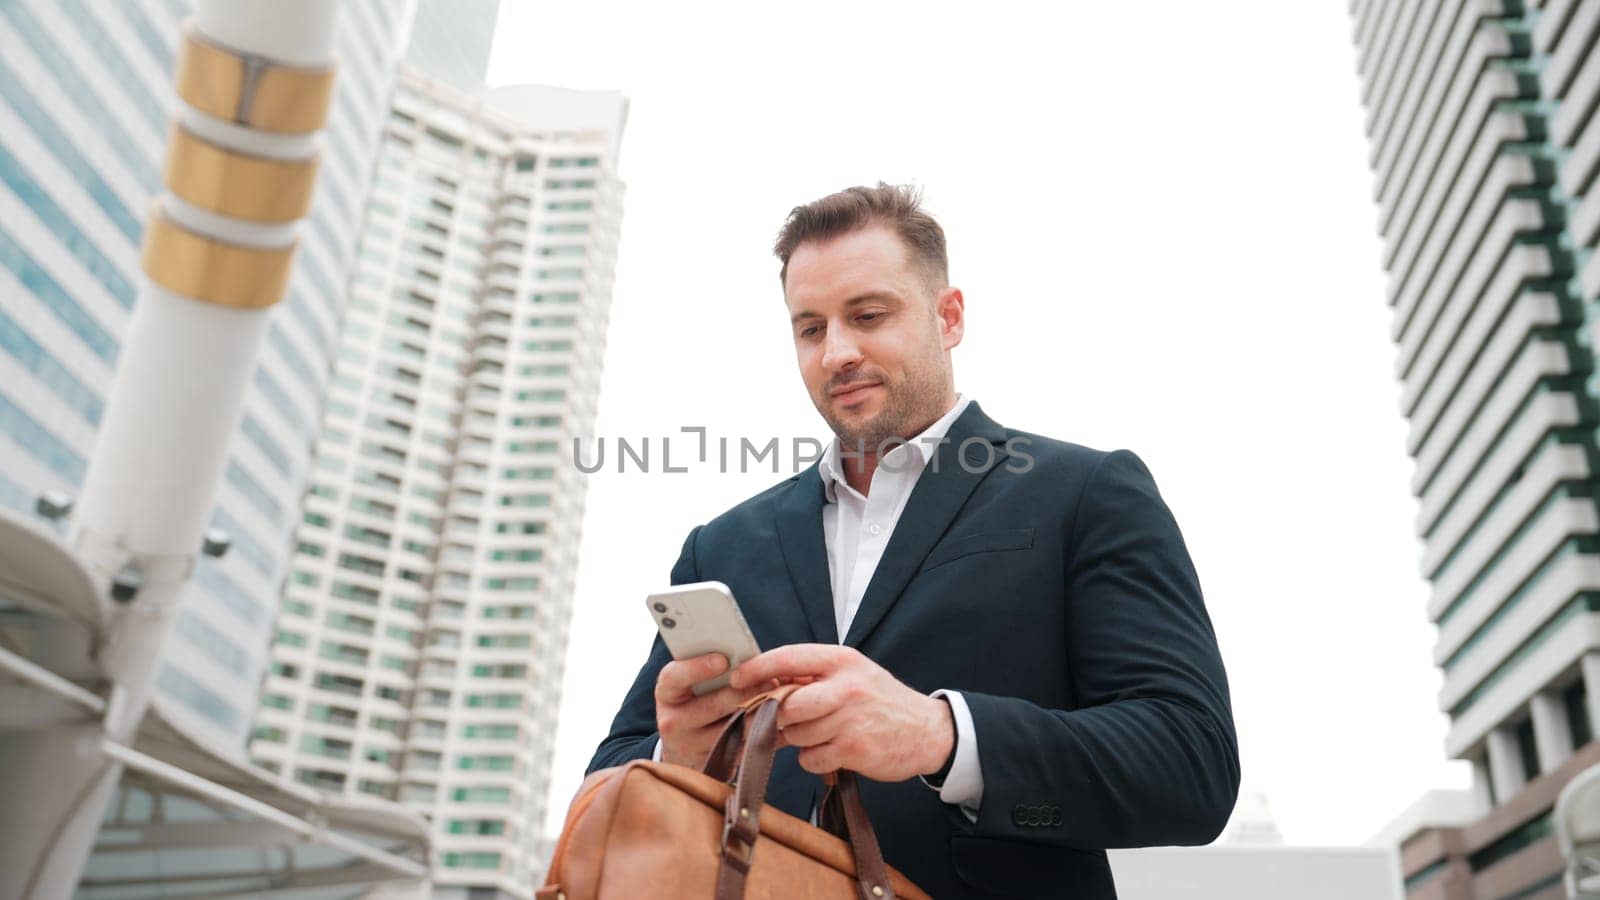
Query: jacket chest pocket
x,y
961,546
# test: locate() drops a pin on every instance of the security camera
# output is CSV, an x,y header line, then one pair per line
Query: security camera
x,y
125,585
53,505
215,543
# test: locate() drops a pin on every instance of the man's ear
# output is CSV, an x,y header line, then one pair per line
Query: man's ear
x,y
950,308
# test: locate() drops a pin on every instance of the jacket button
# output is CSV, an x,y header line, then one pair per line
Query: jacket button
x,y
1019,815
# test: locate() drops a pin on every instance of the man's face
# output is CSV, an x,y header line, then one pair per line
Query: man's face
x,y
871,336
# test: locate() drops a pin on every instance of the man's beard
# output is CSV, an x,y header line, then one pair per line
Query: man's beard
x,y
909,407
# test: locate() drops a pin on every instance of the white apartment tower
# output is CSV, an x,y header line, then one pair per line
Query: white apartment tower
x,y
1485,149
419,651
85,105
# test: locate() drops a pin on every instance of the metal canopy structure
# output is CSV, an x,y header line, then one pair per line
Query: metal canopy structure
x,y
186,819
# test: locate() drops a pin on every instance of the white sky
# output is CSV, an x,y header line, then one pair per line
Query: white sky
x,y
1161,216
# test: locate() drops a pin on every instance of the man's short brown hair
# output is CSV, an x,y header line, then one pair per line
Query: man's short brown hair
x,y
897,206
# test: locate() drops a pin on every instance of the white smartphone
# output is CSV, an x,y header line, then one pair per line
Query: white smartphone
x,y
703,618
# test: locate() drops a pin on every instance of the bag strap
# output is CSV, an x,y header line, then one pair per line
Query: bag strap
x,y
751,738
741,815
722,763
842,805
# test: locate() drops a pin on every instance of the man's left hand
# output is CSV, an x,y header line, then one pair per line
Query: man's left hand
x,y
852,714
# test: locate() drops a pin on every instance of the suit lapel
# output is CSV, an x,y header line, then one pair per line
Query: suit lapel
x,y
799,514
937,498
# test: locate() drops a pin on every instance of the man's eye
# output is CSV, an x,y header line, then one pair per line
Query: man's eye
x,y
868,317
808,331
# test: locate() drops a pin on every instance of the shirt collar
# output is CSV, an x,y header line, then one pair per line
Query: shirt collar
x,y
921,446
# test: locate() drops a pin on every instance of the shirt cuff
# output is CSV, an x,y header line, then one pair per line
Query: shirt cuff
x,y
655,755
963,787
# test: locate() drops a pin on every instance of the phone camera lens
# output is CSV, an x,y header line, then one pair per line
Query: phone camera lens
x,y
669,622
661,607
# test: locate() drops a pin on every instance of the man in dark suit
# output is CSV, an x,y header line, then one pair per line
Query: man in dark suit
x,y
1027,673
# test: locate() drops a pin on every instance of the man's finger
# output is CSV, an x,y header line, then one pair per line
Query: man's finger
x,y
813,701
820,760
678,676
817,731
719,704
791,662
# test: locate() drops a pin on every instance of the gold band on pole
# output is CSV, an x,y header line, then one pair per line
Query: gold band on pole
x,y
252,90
214,271
236,184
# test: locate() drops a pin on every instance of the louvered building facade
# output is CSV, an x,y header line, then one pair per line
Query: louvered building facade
x,y
1484,148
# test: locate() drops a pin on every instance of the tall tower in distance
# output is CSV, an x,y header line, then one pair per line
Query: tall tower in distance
x,y
1484,148
420,648
451,40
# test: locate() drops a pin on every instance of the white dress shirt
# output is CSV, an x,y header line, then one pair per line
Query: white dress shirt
x,y
857,529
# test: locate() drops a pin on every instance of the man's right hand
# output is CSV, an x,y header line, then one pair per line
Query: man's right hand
x,y
689,725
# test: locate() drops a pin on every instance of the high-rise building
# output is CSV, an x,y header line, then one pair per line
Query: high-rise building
x,y
1484,146
450,42
85,107
420,650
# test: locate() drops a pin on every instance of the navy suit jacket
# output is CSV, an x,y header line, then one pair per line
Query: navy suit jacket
x,y
1049,584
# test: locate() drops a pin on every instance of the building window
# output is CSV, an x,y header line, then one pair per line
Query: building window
x,y
511,584
490,732
356,593
472,860
1528,749
339,684
507,612
496,795
1529,833
489,763
363,564
503,670
477,826
319,778
325,747
517,555
505,641
1576,700
525,500
520,527
269,734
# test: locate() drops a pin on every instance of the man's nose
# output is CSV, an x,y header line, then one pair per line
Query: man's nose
x,y
839,351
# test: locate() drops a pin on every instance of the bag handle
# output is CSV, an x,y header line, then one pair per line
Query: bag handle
x,y
751,738
722,763
842,805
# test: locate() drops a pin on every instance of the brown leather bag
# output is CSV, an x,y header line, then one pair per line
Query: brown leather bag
x,y
650,829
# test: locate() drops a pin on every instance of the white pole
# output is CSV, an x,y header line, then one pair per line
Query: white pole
x,y
255,81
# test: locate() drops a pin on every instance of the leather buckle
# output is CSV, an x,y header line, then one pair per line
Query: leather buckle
x,y
738,824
